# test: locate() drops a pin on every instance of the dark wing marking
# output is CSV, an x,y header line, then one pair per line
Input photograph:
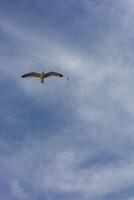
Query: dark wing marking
x,y
31,74
53,74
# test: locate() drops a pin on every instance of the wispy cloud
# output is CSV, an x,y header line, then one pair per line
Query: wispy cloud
x,y
68,140
47,167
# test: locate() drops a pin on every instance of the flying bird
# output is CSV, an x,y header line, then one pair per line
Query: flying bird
x,y
42,75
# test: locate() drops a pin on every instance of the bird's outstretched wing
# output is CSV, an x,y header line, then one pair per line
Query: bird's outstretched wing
x,y
53,74
31,74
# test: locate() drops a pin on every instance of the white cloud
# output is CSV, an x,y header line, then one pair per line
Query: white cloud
x,y
46,166
17,191
131,198
102,95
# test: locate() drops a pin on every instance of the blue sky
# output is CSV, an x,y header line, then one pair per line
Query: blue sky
x,y
67,139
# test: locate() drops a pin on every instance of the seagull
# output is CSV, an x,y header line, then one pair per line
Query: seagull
x,y
42,75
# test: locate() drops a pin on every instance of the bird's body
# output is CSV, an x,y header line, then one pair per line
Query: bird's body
x,y
42,75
